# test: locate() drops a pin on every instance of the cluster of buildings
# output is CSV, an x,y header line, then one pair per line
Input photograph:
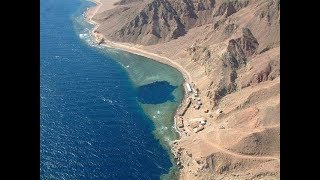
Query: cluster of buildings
x,y
196,124
194,93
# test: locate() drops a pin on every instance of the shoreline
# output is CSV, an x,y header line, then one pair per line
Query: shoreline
x,y
134,49
187,157
131,48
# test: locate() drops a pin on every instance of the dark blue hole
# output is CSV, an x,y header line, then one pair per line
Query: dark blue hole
x,y
156,93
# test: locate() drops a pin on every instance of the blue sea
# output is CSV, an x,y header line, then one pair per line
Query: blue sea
x,y
104,113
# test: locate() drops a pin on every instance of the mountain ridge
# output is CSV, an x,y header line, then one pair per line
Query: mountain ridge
x,y
231,50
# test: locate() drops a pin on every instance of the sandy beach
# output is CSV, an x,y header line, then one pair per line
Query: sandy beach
x,y
134,49
231,126
126,46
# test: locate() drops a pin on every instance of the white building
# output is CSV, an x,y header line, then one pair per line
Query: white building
x,y
189,89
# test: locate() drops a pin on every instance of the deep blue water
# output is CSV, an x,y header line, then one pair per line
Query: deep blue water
x,y
156,93
91,125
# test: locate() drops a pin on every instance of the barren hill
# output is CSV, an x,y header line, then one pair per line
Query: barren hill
x,y
231,50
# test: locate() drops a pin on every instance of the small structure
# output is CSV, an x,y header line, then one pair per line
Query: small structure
x,y
101,41
184,109
200,128
196,121
196,92
206,111
180,122
218,111
203,122
189,89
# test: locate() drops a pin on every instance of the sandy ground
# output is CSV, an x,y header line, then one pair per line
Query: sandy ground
x,y
222,131
103,5
106,4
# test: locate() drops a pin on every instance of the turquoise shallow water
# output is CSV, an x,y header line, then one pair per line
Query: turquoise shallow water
x,y
92,123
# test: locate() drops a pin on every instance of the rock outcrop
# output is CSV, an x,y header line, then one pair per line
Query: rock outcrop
x,y
156,21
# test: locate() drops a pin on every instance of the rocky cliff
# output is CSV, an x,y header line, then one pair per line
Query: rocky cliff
x,y
154,21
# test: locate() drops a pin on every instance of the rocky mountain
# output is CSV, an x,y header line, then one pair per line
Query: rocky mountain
x,y
231,49
154,21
